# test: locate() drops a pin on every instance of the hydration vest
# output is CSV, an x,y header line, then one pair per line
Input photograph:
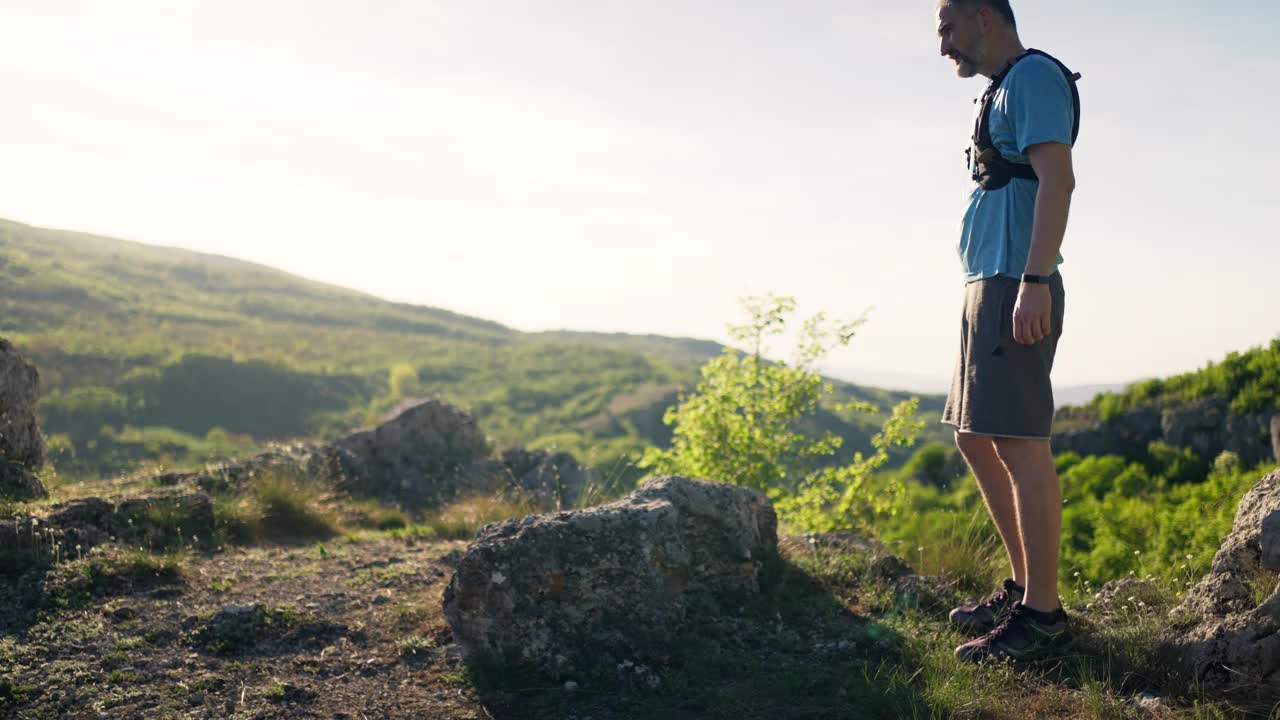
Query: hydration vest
x,y
988,167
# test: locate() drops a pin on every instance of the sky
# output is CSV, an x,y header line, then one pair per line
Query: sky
x,y
640,166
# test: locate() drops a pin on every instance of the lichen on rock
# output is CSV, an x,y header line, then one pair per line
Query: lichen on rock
x,y
21,446
1226,631
564,591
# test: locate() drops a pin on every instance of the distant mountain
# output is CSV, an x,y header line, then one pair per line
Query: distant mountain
x,y
155,354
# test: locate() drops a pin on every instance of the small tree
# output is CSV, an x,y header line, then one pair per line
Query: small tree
x,y
741,424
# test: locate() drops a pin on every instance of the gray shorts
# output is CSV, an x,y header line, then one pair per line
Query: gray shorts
x,y
1000,386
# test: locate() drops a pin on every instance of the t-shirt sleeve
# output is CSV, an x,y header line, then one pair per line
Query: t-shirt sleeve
x,y
1039,104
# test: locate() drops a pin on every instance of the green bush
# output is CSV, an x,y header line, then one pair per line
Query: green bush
x,y
930,464
742,425
1177,464
1249,381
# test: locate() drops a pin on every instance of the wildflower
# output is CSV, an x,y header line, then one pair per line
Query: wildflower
x,y
1188,556
1076,573
1130,598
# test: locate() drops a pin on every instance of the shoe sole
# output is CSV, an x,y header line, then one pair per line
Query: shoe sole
x,y
1051,653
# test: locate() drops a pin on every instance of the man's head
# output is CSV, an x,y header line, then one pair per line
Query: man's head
x,y
968,30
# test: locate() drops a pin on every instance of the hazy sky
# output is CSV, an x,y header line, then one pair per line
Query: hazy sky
x,y
637,166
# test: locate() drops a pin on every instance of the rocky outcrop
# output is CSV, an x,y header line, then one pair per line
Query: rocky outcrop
x,y
21,447
1226,631
424,454
550,478
1128,434
571,590
73,527
1206,426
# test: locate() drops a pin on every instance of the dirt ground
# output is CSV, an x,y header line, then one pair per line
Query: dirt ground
x,y
358,635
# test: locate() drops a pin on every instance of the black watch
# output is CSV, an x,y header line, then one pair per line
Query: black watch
x,y
1029,278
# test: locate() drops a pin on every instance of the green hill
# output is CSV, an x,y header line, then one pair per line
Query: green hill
x,y
160,354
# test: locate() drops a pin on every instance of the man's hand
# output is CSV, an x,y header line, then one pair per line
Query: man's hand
x,y
1032,319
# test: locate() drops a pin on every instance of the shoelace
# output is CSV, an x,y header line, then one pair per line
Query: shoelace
x,y
1007,620
997,598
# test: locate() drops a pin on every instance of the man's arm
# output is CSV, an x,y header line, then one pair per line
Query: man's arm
x,y
1052,163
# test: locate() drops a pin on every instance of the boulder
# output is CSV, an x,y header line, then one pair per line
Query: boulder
x,y
424,454
1226,631
21,447
553,478
1270,541
573,590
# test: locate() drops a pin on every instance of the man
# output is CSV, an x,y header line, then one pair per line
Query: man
x,y
1001,401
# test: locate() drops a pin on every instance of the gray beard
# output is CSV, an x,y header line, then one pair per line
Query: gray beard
x,y
965,67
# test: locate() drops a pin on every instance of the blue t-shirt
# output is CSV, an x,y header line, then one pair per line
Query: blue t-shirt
x,y
1033,105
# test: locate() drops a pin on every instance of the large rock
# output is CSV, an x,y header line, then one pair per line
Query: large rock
x,y
1226,631
549,478
426,453
570,590
21,448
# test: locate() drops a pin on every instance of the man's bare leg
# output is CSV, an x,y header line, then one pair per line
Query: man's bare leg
x,y
1038,499
979,452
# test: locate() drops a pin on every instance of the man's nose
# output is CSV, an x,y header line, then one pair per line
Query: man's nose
x,y
944,48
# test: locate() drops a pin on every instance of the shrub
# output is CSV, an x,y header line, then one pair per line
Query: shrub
x,y
740,425
277,504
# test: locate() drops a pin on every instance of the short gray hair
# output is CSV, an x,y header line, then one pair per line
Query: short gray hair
x,y
1001,8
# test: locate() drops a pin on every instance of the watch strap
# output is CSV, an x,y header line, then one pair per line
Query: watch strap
x,y
1030,278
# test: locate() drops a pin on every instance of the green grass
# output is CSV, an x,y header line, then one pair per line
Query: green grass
x,y
276,505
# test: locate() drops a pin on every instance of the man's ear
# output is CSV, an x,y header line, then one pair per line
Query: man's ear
x,y
984,15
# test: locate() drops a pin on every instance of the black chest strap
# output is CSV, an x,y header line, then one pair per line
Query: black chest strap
x,y
988,167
